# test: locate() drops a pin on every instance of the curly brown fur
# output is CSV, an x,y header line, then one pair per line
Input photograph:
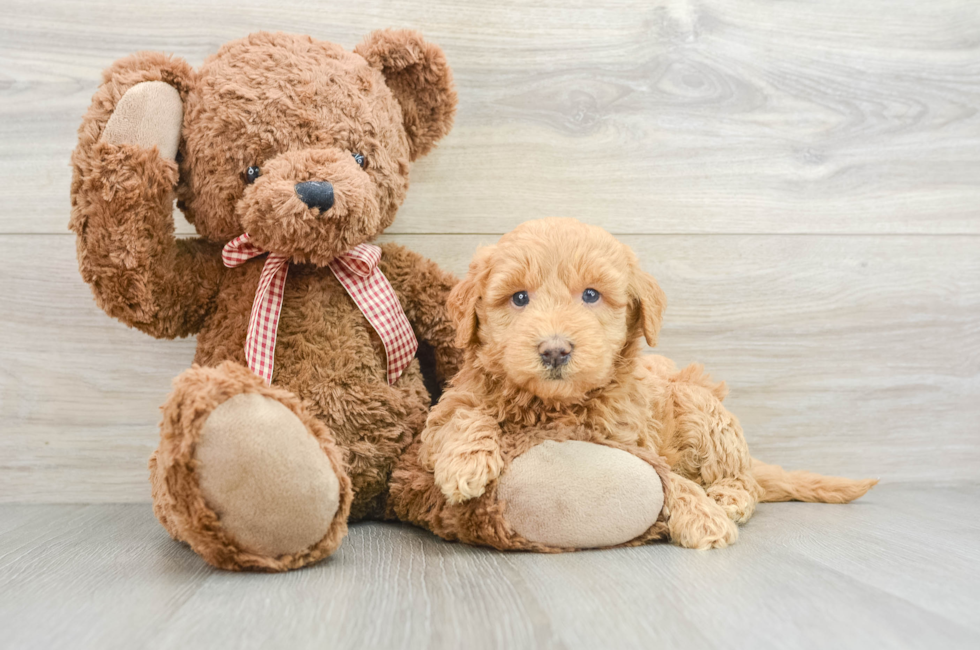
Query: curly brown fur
x,y
506,389
298,109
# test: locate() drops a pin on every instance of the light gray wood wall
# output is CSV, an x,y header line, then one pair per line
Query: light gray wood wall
x,y
802,177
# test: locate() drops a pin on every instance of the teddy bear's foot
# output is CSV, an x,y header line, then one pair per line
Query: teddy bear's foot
x,y
264,475
576,494
245,476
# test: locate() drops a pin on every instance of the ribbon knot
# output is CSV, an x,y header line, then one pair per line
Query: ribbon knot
x,y
357,270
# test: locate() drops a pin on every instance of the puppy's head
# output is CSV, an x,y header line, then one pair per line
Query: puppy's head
x,y
556,307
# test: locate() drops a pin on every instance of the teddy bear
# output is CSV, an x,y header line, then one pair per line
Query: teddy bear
x,y
289,155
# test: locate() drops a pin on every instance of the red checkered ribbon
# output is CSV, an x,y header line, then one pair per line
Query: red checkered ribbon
x,y
357,270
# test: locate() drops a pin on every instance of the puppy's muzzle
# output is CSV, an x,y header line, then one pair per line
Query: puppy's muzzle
x,y
555,352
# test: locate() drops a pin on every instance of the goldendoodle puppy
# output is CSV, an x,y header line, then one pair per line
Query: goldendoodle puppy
x,y
554,434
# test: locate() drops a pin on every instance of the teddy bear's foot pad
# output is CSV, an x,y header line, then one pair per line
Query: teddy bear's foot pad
x,y
576,494
265,476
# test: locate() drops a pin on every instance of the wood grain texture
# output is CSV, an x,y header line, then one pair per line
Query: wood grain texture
x,y
898,569
855,355
646,116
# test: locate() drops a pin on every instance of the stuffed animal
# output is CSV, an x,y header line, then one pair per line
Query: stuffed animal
x,y
558,434
288,155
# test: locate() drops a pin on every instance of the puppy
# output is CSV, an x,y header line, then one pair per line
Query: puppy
x,y
552,321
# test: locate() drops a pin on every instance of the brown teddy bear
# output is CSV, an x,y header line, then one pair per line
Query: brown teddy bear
x,y
288,155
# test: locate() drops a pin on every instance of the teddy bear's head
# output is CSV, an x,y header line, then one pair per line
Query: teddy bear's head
x,y
302,144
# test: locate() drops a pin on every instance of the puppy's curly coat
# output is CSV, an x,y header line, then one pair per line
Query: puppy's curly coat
x,y
551,320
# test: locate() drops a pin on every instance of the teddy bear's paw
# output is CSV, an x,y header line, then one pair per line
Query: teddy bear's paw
x,y
148,115
265,476
576,494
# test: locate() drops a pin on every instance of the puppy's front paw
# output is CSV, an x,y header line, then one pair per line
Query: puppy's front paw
x,y
465,477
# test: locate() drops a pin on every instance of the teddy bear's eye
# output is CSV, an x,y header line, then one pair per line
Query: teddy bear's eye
x,y
251,174
359,159
520,299
590,296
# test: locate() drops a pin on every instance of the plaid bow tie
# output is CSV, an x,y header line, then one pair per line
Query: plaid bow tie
x,y
357,270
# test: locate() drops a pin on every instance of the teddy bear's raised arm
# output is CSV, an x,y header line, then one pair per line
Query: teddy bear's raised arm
x,y
122,197
423,288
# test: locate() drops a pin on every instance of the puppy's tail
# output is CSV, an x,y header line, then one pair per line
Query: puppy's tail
x,y
780,485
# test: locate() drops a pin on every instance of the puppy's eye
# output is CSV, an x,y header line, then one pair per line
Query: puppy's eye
x,y
252,174
520,299
590,296
360,160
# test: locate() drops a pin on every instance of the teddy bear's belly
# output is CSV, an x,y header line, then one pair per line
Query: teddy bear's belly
x,y
329,356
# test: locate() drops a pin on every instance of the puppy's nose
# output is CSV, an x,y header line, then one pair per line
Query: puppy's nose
x,y
555,352
316,194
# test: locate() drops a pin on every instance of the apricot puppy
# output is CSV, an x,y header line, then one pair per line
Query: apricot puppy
x,y
552,320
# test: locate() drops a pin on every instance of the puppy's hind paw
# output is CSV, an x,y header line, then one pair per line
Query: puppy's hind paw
x,y
712,533
702,533
697,522
737,503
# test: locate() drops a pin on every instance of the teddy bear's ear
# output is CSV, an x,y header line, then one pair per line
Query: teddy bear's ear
x,y
647,304
464,298
418,75
141,102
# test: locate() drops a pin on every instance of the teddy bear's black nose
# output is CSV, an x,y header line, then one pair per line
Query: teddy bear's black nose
x,y
316,194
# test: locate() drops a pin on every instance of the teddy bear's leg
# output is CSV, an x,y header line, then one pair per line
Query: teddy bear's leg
x,y
552,496
708,446
245,476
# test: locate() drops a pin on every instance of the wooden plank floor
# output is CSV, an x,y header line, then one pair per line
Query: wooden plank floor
x,y
898,569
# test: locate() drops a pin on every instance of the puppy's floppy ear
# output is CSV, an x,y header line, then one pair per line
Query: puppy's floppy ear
x,y
647,304
464,297
418,75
